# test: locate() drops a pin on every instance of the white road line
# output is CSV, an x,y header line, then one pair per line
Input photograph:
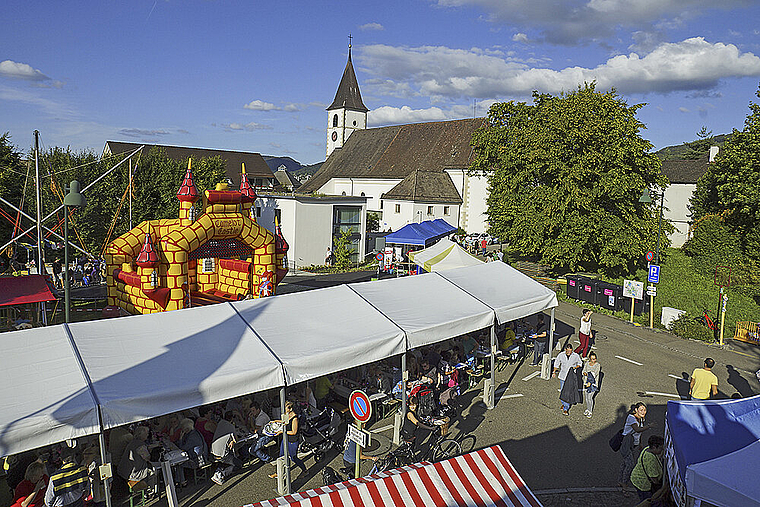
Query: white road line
x,y
654,393
380,430
534,374
511,396
629,360
678,378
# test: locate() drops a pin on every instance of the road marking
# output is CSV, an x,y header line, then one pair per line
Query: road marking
x,y
534,374
511,396
654,393
380,430
678,378
629,360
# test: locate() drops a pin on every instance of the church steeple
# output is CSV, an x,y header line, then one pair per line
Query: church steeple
x,y
347,112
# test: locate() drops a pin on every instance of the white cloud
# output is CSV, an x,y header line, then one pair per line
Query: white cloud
x,y
371,27
683,109
143,133
388,115
441,72
575,21
259,105
16,70
248,127
520,37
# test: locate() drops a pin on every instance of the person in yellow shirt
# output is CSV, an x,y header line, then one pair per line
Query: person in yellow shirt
x,y
704,383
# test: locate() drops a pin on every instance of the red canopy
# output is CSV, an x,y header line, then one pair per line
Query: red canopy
x,y
20,290
484,477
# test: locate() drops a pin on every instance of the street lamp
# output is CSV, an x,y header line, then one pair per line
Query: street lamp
x,y
77,200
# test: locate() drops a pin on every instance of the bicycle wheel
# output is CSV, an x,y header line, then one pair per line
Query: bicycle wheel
x,y
448,448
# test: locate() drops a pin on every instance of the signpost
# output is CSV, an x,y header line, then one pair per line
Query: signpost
x,y
361,408
654,277
633,290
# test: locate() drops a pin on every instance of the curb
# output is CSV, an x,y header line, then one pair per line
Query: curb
x,y
576,490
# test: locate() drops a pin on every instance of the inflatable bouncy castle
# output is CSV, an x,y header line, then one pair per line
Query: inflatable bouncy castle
x,y
219,254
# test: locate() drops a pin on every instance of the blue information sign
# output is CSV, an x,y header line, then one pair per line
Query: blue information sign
x,y
654,273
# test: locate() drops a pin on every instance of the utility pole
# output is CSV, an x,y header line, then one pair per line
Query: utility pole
x,y
40,248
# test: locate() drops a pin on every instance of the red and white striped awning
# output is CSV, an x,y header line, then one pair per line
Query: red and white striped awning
x,y
480,478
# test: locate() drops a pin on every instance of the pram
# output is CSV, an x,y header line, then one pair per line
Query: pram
x,y
318,432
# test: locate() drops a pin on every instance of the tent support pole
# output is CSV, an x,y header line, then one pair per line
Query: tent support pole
x,y
546,372
103,461
285,443
398,418
490,386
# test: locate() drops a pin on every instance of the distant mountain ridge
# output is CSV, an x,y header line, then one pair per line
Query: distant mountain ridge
x,y
691,150
295,169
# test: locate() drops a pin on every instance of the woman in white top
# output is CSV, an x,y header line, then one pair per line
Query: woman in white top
x,y
591,373
584,333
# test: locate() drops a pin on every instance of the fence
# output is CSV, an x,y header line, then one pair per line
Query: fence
x,y
747,332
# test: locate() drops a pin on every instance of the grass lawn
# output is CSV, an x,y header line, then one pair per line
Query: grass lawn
x,y
682,287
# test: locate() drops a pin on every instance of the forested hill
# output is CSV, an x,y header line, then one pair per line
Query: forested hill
x,y
693,150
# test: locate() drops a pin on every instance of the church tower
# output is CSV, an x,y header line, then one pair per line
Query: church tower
x,y
347,113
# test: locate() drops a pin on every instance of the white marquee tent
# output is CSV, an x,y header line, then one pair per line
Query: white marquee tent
x,y
442,256
57,379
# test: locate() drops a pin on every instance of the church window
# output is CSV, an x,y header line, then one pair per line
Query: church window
x,y
447,210
398,208
354,123
335,120
343,193
362,194
430,210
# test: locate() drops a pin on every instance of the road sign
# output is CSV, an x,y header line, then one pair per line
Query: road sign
x,y
654,273
650,256
361,437
360,406
379,256
633,289
652,290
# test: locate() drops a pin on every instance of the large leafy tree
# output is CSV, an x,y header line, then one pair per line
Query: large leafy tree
x,y
566,174
12,171
731,185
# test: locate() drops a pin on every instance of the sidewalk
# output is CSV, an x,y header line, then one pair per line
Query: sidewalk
x,y
586,497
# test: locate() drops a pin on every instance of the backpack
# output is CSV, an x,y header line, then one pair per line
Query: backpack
x,y
426,404
616,441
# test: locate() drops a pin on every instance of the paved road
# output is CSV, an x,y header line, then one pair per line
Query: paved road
x,y
555,454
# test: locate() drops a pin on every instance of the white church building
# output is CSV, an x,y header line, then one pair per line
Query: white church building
x,y
407,173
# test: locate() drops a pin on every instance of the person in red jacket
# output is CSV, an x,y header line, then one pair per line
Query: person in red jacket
x,y
31,491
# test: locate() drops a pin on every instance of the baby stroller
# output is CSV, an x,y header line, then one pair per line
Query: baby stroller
x,y
318,432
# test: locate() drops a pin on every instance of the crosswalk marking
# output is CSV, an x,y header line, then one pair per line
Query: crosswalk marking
x,y
534,374
629,360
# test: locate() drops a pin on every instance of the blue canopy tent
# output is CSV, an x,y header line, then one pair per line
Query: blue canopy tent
x,y
712,451
421,234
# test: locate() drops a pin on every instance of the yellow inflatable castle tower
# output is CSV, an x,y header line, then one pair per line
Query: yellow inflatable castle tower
x,y
219,255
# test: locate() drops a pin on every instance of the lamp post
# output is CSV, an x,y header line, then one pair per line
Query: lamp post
x,y
77,200
645,198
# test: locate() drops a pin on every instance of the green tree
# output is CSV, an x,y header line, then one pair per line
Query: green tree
x,y
373,221
565,177
342,250
731,185
700,147
12,171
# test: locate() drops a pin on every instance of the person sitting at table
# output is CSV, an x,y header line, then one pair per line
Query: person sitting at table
x,y
433,356
30,492
259,419
205,426
469,345
429,373
222,448
509,343
171,429
192,442
134,466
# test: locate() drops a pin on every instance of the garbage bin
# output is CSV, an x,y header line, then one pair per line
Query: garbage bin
x,y
641,305
587,290
573,282
608,295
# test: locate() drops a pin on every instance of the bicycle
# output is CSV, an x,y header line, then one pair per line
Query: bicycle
x,y
441,449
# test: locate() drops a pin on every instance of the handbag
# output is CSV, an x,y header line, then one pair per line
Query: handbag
x,y
616,441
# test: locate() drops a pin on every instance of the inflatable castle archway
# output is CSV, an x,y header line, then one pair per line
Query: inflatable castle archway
x,y
196,259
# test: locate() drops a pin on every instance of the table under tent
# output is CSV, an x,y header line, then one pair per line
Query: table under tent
x,y
102,374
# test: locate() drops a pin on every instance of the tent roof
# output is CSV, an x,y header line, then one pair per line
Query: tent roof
x,y
318,332
149,365
705,430
484,477
422,233
510,293
45,397
427,307
443,255
728,480
19,290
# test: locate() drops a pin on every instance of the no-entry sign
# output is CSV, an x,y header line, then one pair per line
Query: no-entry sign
x,y
360,406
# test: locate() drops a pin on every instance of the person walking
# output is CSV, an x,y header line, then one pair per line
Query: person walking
x,y
704,383
290,432
584,333
647,474
563,363
635,425
591,375
541,340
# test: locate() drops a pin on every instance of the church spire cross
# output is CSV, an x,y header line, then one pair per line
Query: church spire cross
x,y
350,38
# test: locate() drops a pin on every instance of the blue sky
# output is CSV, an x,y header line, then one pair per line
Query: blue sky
x,y
257,76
